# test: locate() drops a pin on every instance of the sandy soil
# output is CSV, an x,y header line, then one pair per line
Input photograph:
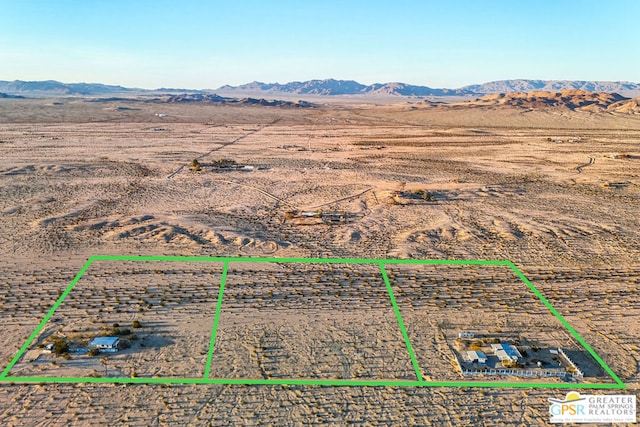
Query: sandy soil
x,y
533,187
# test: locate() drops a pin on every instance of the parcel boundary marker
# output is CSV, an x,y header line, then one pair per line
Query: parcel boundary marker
x,y
5,376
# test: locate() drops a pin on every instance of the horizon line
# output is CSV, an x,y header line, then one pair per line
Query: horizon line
x,y
133,87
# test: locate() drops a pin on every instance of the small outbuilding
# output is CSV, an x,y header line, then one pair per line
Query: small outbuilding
x,y
107,344
474,356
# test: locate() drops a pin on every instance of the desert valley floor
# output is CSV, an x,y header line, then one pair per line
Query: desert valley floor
x,y
553,190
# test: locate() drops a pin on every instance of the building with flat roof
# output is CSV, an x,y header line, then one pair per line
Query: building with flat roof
x,y
109,344
474,356
506,352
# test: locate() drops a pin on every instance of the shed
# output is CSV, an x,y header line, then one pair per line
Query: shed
x,y
109,344
476,356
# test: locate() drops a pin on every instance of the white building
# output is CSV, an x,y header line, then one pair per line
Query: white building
x,y
506,352
476,357
108,344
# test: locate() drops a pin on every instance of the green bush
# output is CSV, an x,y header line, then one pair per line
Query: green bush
x,y
60,346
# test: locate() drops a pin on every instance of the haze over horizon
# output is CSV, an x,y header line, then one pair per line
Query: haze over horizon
x,y
204,45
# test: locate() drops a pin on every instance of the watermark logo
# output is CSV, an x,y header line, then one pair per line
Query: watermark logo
x,y
587,408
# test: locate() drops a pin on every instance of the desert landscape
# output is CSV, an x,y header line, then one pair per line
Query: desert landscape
x,y
547,180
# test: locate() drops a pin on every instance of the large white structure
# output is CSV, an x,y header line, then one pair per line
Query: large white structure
x,y
506,352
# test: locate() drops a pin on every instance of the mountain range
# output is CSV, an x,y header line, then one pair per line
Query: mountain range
x,y
327,87
330,87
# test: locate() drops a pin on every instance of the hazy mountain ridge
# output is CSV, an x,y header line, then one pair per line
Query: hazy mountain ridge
x,y
52,87
310,87
328,87
350,87
332,87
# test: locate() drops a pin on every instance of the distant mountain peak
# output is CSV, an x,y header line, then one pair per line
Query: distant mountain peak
x,y
331,87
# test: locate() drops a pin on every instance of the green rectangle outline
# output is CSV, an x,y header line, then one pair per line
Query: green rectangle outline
x,y
5,378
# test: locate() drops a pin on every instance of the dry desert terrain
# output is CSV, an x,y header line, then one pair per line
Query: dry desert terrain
x,y
554,190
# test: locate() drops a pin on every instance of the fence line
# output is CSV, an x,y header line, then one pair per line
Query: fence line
x,y
579,374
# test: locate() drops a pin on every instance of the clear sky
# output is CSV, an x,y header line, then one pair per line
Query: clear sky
x,y
208,43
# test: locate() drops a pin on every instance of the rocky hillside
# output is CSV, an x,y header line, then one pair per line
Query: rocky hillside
x,y
519,85
572,99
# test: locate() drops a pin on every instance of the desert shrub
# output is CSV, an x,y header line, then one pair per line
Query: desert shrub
x,y
136,324
60,346
476,345
195,165
93,352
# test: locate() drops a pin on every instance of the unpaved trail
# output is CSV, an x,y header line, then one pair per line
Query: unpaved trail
x,y
592,160
224,145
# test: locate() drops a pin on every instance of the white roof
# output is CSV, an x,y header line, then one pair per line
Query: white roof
x,y
476,355
506,352
104,342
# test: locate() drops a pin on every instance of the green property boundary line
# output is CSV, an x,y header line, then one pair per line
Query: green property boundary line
x,y
216,319
5,377
405,335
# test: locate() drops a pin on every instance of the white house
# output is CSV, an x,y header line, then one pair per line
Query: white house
x,y
476,356
506,352
108,344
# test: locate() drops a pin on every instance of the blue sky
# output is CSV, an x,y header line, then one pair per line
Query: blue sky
x,y
205,44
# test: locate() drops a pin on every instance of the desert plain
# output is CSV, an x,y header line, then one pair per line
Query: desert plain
x,y
554,190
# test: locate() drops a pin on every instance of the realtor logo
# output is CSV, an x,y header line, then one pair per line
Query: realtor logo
x,y
577,408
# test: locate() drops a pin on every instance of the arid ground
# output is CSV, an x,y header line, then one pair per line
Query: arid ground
x,y
554,190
